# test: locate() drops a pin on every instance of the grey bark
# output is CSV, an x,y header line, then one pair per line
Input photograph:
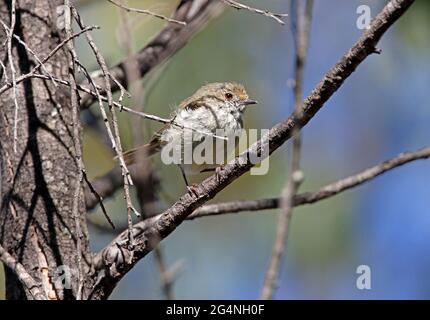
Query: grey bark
x,y
37,182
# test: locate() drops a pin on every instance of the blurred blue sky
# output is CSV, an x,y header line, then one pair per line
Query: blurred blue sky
x,y
380,111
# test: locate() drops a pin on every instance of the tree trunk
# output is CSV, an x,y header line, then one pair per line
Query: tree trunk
x,y
38,179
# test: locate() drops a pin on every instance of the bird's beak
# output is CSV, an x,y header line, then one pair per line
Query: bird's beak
x,y
248,102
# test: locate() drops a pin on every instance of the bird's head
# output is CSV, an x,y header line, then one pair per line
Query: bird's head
x,y
230,93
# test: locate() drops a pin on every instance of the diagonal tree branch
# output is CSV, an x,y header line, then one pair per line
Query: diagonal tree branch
x,y
195,13
117,259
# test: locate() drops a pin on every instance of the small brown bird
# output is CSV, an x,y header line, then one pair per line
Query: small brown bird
x,y
212,112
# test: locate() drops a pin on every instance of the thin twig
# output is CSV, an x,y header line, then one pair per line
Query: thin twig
x,y
150,13
237,5
6,77
293,183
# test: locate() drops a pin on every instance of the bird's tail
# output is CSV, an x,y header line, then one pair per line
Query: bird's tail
x,y
146,150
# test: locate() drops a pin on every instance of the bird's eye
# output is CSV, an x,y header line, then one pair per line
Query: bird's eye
x,y
228,95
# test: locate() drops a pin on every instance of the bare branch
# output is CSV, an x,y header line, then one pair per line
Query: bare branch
x,y
237,5
150,13
117,259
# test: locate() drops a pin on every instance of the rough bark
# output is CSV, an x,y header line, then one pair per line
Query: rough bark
x,y
37,181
